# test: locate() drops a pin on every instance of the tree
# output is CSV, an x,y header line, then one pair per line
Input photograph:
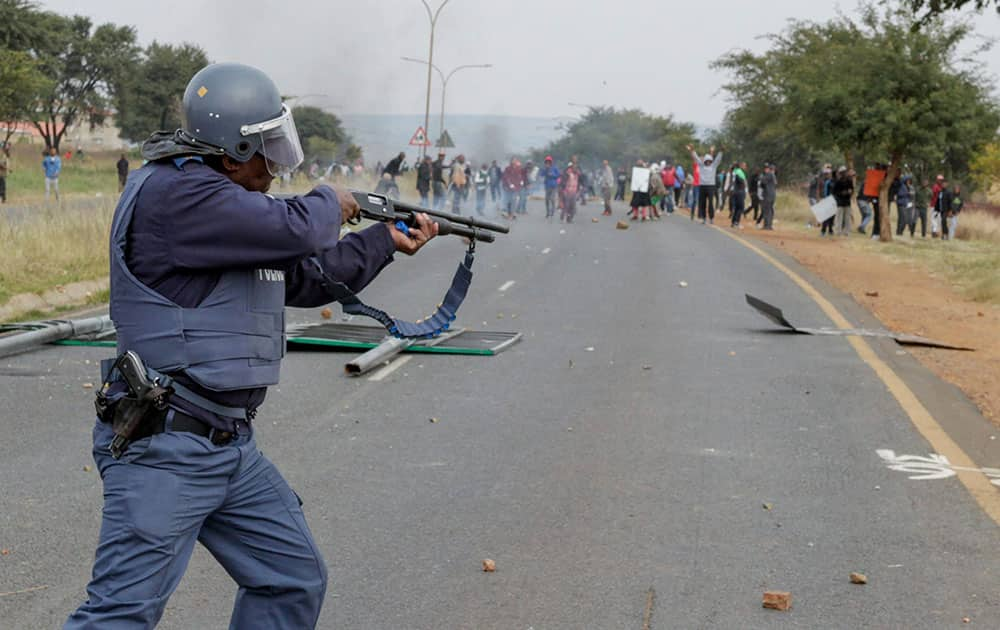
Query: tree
x,y
873,87
149,97
753,133
20,81
985,170
84,65
934,8
320,132
620,137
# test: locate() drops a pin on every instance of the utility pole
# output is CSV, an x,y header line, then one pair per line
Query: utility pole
x,y
433,17
444,80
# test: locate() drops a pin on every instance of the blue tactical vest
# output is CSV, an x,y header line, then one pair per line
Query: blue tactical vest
x,y
234,339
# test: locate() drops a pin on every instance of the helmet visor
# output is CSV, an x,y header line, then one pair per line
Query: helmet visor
x,y
279,142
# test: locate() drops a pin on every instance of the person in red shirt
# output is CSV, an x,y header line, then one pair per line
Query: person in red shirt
x,y
873,182
669,177
693,191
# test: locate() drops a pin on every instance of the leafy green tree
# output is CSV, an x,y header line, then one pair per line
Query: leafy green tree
x,y
18,28
926,10
84,65
320,132
20,81
620,137
149,96
873,86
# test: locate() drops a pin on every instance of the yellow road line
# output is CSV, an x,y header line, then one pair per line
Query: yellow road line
x,y
978,484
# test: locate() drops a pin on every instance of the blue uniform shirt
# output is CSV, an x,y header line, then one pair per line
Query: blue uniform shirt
x,y
191,223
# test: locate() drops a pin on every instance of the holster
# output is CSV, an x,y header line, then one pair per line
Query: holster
x,y
137,413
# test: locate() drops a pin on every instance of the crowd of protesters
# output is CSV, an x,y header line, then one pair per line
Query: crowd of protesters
x,y
936,207
706,187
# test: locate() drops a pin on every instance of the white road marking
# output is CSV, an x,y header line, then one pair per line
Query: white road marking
x,y
506,285
546,250
389,369
933,466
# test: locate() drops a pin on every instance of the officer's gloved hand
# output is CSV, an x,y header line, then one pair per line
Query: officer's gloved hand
x,y
423,231
349,208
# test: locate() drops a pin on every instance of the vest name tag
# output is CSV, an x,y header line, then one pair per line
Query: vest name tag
x,y
271,275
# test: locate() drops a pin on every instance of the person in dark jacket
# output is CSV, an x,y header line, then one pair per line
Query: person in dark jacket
x,y
943,206
953,209
424,181
438,182
203,263
122,167
843,191
904,205
825,189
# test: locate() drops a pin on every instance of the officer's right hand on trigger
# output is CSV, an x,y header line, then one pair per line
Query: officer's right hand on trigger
x,y
350,211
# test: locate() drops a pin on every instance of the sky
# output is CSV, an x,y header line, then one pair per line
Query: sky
x,y
546,54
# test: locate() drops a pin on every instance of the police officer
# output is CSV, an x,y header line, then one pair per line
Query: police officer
x,y
202,266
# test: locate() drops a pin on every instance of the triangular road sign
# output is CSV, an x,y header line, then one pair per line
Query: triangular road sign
x,y
419,138
445,141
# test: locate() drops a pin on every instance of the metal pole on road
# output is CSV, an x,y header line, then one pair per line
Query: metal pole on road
x,y
51,331
433,17
444,80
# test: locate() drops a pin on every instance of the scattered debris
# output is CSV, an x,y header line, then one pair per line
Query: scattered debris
x,y
966,620
647,615
859,578
777,600
499,315
979,314
434,420
87,468
647,367
595,220
562,231
871,293
732,353
570,429
682,283
774,314
571,363
767,506
489,566
621,225
4,552
88,386
25,590
326,313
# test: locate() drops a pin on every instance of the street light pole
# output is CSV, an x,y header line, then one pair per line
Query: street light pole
x,y
433,17
445,78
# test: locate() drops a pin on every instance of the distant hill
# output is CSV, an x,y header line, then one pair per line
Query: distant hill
x,y
479,137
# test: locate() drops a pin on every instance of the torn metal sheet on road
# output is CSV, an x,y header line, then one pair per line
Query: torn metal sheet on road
x,y
775,314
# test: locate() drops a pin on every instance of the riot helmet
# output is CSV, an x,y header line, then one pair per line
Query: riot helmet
x,y
238,109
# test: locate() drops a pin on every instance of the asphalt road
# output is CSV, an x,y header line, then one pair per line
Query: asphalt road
x,y
617,464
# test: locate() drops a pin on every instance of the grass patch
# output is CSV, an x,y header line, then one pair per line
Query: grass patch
x,y
54,246
91,175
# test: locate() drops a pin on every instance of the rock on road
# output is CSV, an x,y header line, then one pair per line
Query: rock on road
x,y
649,453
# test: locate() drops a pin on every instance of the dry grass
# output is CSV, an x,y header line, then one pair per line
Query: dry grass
x,y
48,247
978,226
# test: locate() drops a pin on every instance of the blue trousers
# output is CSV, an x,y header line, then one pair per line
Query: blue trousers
x,y
171,489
